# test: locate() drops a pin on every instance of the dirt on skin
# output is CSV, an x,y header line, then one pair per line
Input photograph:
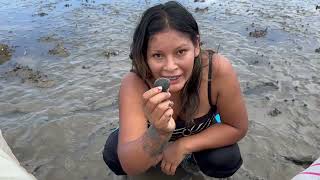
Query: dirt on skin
x,y
59,50
5,53
26,74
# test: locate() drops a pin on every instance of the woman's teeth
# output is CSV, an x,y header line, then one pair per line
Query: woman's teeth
x,y
172,77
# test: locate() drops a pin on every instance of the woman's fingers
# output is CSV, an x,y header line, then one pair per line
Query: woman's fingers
x,y
152,102
163,122
168,168
162,108
165,167
173,169
151,92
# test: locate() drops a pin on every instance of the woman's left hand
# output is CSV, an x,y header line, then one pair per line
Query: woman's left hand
x,y
172,156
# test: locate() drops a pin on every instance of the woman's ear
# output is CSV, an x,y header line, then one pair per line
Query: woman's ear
x,y
197,47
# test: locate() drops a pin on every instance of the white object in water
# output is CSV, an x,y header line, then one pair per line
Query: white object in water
x,y
311,173
10,167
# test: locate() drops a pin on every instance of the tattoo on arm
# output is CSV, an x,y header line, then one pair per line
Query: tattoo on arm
x,y
153,143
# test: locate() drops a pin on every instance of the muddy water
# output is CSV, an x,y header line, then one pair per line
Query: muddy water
x,y
58,88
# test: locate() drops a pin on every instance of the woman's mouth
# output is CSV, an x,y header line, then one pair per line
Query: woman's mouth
x,y
173,79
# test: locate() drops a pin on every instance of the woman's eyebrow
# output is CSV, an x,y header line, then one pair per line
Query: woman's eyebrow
x,y
182,46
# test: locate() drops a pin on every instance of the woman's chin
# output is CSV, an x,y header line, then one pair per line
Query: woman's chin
x,y
176,87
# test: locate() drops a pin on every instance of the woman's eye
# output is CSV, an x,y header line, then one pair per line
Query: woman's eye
x,y
181,52
157,56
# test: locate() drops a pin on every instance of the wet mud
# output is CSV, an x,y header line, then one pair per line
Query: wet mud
x,y
59,50
301,161
49,39
272,48
275,112
109,53
258,33
5,53
41,14
201,10
260,88
29,75
199,1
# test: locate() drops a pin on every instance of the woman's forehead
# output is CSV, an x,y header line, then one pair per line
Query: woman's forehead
x,y
170,38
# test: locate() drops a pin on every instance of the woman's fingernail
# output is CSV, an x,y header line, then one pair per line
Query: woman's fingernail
x,y
171,104
159,88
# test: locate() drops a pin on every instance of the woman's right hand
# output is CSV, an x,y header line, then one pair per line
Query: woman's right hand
x,y
158,110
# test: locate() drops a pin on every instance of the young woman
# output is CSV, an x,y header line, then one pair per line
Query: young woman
x,y
164,127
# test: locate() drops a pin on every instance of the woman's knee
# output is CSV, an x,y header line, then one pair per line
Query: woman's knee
x,y
219,163
110,155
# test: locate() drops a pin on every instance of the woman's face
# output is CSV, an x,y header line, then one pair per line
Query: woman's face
x,y
171,54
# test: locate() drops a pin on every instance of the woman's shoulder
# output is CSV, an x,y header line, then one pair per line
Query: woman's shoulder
x,y
132,82
220,64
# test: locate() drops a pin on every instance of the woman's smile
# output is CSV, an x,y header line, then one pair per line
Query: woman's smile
x,y
173,79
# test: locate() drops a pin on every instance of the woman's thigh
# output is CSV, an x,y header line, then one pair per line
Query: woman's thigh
x,y
110,155
219,163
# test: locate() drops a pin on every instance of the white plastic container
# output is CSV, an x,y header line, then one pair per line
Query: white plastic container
x,y
10,167
311,173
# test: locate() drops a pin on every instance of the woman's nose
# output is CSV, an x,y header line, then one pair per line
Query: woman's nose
x,y
170,64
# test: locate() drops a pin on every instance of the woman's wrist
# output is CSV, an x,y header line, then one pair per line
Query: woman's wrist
x,y
160,133
183,145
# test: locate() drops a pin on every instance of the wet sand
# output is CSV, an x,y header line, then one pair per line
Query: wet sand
x,y
62,62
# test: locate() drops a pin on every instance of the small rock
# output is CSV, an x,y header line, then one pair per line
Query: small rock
x,y
201,10
317,50
301,161
258,33
109,53
274,112
85,67
317,7
42,14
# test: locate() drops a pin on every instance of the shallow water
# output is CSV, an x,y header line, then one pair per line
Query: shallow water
x,y
58,107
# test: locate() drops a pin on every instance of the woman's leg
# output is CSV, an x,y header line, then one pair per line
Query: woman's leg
x,y
219,163
110,155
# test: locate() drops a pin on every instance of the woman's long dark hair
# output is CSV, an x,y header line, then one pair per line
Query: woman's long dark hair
x,y
170,15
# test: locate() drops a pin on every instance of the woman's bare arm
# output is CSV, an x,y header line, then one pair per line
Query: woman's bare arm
x,y
139,147
231,108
